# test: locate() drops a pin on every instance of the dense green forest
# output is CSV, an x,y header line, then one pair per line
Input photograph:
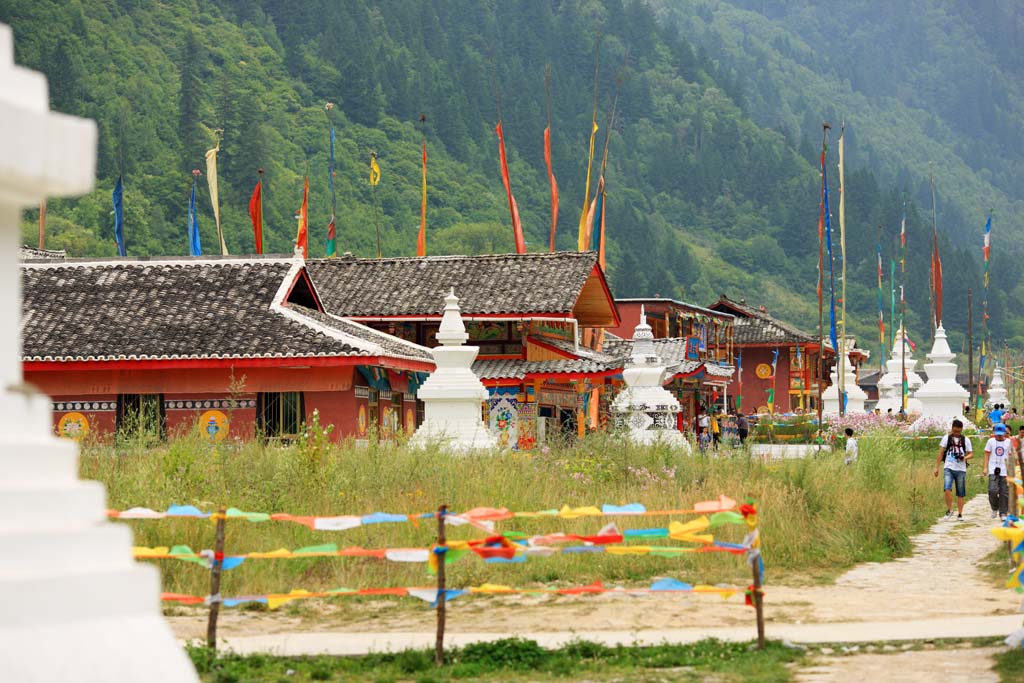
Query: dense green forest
x,y
707,192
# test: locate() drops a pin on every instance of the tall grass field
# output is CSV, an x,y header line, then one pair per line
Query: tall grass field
x,y
817,515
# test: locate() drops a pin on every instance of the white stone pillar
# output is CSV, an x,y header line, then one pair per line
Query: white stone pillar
x,y
75,606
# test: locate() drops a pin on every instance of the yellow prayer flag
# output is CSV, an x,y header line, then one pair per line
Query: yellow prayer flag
x,y
275,600
374,170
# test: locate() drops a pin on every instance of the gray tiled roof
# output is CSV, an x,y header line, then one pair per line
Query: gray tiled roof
x,y
579,351
392,346
671,350
167,309
518,369
502,283
27,253
755,326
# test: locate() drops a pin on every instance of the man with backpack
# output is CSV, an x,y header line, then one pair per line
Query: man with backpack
x,y
954,451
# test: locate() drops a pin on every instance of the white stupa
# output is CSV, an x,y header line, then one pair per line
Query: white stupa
x,y
890,384
996,390
941,396
453,396
76,607
645,410
855,396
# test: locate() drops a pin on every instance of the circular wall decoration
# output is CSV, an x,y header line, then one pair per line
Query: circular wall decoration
x,y
73,426
764,371
215,424
362,421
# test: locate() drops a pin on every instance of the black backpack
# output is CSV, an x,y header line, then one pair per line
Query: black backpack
x,y
950,443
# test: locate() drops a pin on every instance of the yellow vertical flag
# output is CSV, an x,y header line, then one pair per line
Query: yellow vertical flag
x,y
374,170
581,240
211,181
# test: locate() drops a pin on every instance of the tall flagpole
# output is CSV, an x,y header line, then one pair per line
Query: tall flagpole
x,y
935,284
841,374
903,311
821,275
970,348
581,235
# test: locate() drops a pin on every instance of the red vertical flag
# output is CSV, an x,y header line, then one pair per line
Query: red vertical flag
x,y
937,278
554,186
421,238
517,228
302,238
256,215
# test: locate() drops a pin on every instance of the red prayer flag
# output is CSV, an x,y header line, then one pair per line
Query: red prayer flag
x,y
302,238
937,279
554,186
256,215
517,228
421,238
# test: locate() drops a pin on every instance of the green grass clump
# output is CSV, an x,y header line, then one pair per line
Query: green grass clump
x,y
1010,666
515,659
818,516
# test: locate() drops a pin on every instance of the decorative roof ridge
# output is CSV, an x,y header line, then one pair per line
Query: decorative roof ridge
x,y
457,257
144,262
277,306
192,356
391,338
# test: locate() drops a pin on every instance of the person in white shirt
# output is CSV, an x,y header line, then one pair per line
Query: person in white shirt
x,y
851,447
954,451
997,456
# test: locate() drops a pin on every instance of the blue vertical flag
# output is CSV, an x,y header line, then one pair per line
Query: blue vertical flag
x,y
194,247
832,335
118,197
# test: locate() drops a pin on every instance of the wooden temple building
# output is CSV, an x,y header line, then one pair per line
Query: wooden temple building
x,y
254,346
242,346
757,336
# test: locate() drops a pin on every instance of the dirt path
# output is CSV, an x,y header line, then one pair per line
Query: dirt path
x,y
939,581
955,665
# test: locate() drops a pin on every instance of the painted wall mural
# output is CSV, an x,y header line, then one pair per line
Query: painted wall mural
x,y
503,417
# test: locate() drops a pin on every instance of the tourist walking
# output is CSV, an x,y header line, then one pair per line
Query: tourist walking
x,y
997,457
954,451
742,427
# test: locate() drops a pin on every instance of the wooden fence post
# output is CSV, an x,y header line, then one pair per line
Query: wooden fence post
x,y
441,597
215,570
759,603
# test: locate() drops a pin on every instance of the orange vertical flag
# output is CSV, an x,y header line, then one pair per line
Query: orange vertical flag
x,y
554,186
600,222
421,238
302,238
517,227
256,215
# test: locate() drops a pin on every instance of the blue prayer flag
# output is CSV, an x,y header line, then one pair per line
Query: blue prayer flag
x,y
194,247
118,197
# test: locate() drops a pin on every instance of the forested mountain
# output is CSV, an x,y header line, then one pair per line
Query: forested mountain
x,y
706,193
